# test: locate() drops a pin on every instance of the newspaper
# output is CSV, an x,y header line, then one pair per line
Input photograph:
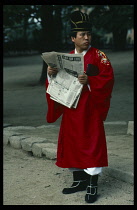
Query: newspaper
x,y
65,87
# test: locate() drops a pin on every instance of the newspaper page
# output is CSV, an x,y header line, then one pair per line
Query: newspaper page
x,y
65,87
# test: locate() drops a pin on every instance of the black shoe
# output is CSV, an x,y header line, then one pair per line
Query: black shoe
x,y
76,186
91,195
81,180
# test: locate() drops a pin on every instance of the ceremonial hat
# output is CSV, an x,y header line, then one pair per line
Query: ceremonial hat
x,y
80,22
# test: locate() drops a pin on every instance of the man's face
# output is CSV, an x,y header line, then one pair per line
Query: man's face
x,y
82,40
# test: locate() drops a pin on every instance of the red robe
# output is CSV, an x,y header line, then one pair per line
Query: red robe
x,y
82,141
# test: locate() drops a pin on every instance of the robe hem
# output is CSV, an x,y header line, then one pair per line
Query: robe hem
x,y
80,167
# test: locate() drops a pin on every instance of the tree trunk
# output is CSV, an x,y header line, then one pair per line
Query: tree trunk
x,y
58,28
47,27
119,39
47,36
43,76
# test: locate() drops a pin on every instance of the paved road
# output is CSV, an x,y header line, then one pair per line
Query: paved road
x,y
24,99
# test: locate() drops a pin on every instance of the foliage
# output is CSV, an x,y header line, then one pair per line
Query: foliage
x,y
45,27
116,19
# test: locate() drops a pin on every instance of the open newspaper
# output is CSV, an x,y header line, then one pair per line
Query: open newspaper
x,y
65,87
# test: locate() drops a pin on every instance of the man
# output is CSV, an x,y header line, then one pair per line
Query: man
x,y
81,142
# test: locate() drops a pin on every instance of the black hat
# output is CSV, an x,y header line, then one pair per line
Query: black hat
x,y
80,22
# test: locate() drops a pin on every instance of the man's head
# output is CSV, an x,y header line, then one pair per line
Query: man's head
x,y
82,40
80,30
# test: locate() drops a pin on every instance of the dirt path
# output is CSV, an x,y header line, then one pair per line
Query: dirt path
x,y
36,181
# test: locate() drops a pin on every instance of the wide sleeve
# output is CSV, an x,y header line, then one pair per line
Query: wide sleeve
x,y
55,110
101,85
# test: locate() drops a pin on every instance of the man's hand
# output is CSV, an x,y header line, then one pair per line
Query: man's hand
x,y
52,71
83,79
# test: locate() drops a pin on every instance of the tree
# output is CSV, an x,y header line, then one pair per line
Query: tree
x,y
17,20
52,26
116,19
21,16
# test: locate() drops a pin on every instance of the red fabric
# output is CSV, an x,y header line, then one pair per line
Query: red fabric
x,y
81,141
55,109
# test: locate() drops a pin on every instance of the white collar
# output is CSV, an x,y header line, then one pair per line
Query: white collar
x,y
84,52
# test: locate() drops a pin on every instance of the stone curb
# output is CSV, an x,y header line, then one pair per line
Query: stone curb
x,y
38,146
130,129
120,175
